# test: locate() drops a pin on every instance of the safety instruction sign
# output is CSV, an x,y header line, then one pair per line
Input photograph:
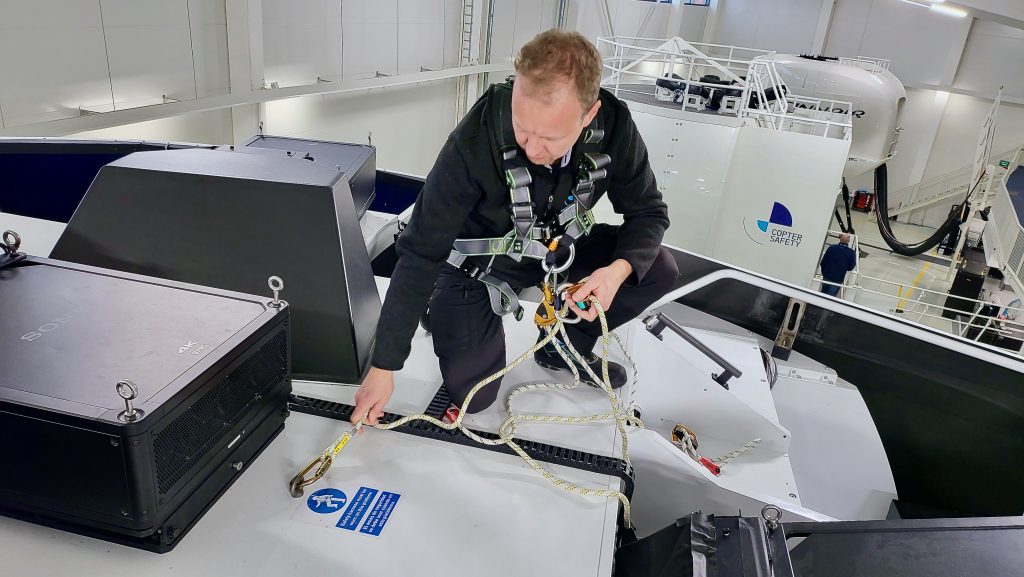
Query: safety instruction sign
x,y
366,511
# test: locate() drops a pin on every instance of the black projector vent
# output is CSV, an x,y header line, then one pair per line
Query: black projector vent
x,y
182,444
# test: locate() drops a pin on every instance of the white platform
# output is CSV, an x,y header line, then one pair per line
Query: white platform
x,y
462,511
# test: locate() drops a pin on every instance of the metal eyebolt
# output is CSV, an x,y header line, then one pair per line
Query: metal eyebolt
x,y
771,515
12,240
276,285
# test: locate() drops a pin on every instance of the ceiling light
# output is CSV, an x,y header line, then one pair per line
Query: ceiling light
x,y
949,10
918,3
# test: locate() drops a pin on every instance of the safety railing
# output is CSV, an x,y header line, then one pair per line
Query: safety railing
x,y
872,65
768,101
634,64
918,331
917,309
951,186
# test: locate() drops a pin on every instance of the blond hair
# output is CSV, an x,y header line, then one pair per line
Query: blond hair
x,y
555,55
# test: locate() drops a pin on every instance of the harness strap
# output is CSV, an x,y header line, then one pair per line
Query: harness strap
x,y
528,238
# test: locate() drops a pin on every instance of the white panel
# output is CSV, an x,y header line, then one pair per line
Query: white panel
x,y
291,53
142,12
452,32
369,38
504,30
48,72
48,13
528,22
846,35
781,26
919,42
589,20
331,12
207,12
210,53
788,26
694,20
800,172
420,44
549,14
737,22
409,123
837,455
921,114
420,10
690,160
149,51
213,127
628,15
292,12
657,24
992,51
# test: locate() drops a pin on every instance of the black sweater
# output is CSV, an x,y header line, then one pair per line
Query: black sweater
x,y
465,196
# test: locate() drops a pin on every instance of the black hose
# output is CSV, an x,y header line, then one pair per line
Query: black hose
x,y
882,207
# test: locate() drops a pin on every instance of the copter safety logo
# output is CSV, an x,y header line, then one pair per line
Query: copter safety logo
x,y
775,230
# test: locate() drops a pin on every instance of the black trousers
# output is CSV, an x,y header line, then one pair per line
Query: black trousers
x,y
468,337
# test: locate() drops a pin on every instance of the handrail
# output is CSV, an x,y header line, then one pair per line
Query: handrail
x,y
655,324
855,311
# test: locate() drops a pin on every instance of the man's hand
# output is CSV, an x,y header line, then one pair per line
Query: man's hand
x,y
603,284
373,394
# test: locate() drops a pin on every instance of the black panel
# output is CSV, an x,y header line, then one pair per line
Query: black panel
x,y
184,442
61,467
46,178
69,459
230,220
357,161
939,548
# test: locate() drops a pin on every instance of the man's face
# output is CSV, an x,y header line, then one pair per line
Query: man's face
x,y
548,123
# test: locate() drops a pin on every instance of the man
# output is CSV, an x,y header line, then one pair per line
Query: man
x,y
522,167
838,260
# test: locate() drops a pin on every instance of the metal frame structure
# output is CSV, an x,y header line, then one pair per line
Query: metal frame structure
x,y
751,70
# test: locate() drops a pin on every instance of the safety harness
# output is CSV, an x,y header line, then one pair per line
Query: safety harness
x,y
529,238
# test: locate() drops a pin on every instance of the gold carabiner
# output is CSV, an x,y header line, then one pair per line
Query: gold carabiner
x,y
322,463
299,482
545,315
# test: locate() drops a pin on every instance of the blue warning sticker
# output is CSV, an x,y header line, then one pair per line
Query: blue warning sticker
x,y
357,508
326,501
378,517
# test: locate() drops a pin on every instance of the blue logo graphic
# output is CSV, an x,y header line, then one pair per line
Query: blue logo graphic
x,y
326,501
777,227
780,216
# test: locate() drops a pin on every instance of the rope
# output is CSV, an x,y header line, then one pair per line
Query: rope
x,y
620,414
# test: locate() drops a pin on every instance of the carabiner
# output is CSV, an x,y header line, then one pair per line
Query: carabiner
x,y
552,247
322,463
299,482
564,294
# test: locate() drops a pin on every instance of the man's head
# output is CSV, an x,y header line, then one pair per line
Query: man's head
x,y
844,238
555,95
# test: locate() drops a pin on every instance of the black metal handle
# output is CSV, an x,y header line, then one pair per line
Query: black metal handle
x,y
655,324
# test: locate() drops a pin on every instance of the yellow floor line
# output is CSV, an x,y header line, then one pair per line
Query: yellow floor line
x,y
920,275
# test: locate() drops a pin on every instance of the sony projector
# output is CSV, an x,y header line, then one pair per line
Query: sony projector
x,y
129,404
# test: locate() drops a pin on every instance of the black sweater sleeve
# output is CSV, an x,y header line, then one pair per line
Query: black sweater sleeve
x,y
634,194
447,197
